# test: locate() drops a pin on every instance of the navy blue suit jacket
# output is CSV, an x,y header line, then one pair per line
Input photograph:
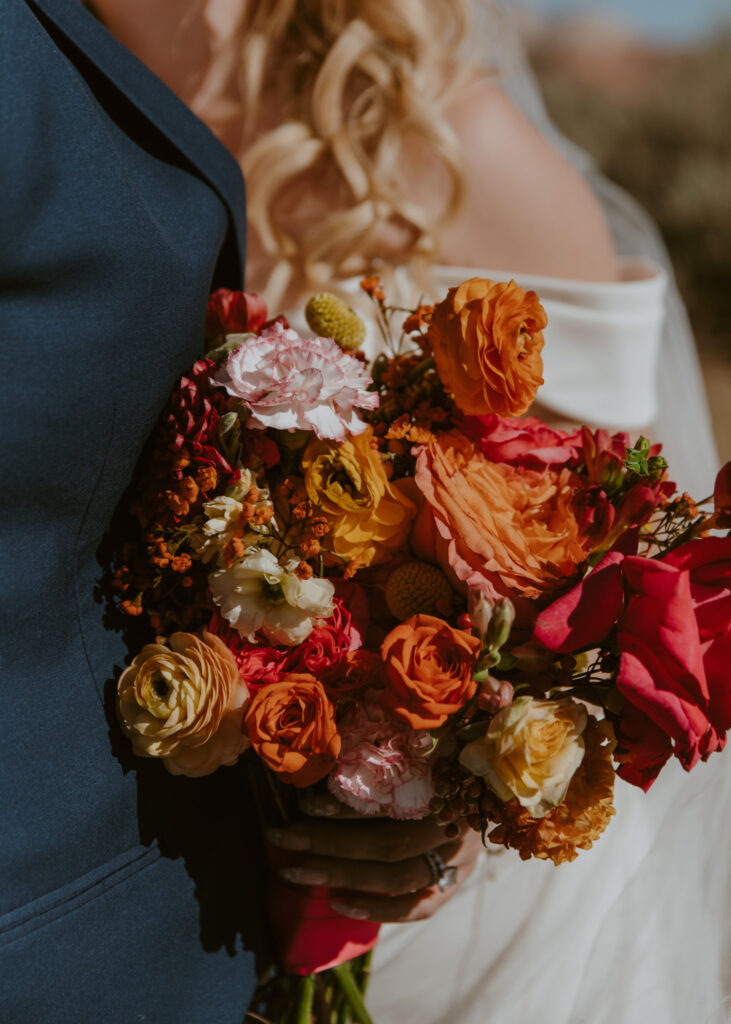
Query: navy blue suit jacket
x,y
125,893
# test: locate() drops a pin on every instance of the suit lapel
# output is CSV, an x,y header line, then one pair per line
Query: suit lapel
x,y
156,102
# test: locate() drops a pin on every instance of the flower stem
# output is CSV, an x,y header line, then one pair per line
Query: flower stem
x,y
307,994
352,993
420,368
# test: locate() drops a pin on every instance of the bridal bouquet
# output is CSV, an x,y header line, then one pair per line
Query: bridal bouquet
x,y
381,580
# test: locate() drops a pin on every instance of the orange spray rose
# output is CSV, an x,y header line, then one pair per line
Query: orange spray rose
x,y
291,725
429,670
487,340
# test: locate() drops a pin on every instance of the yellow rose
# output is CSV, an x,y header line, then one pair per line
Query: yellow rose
x,y
184,704
530,752
369,517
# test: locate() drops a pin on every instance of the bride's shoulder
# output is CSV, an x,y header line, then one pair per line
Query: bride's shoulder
x,y
525,205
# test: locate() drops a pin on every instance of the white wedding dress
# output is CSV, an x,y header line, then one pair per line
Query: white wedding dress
x,y
636,930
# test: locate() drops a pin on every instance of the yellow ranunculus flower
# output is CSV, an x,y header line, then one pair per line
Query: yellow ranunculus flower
x,y
369,517
530,751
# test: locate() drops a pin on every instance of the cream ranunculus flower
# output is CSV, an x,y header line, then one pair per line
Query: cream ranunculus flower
x,y
185,704
530,751
257,594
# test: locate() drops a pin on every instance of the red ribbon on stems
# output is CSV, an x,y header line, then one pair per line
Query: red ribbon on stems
x,y
309,935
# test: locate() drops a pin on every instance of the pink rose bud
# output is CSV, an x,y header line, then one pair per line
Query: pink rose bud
x,y
495,694
503,616
480,610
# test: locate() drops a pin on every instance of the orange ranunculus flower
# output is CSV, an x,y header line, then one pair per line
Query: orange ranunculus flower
x,y
429,670
579,819
345,480
291,725
184,703
487,340
509,529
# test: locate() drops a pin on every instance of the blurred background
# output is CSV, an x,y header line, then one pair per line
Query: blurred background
x,y
645,86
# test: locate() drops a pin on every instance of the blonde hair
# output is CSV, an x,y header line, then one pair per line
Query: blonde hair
x,y
329,93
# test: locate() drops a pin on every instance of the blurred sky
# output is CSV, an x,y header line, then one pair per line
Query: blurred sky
x,y
667,20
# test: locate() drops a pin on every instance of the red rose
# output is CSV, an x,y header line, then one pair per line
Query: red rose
x,y
642,748
262,664
359,671
232,312
523,442
672,619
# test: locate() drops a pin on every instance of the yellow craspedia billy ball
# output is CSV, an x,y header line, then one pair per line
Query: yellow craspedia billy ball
x,y
418,588
330,317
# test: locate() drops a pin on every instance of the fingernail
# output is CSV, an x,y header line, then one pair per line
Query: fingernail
x,y
347,911
304,876
288,840
319,806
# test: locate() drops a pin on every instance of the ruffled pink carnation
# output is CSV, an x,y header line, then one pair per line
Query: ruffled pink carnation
x,y
293,383
382,767
260,664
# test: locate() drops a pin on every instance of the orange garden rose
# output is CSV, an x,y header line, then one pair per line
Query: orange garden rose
x,y
507,528
291,725
429,670
185,704
369,517
487,340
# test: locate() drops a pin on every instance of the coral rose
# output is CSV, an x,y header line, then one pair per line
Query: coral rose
x,y
507,529
429,670
184,704
487,340
291,725
530,751
575,823
525,442
368,516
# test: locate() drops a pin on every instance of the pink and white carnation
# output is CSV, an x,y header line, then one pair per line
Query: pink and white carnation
x,y
293,383
382,767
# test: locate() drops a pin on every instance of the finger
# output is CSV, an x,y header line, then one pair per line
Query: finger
x,y
328,807
399,909
382,839
406,876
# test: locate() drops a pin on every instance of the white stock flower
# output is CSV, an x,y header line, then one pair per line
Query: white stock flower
x,y
257,594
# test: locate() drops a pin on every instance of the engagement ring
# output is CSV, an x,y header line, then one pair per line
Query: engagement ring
x,y
444,876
